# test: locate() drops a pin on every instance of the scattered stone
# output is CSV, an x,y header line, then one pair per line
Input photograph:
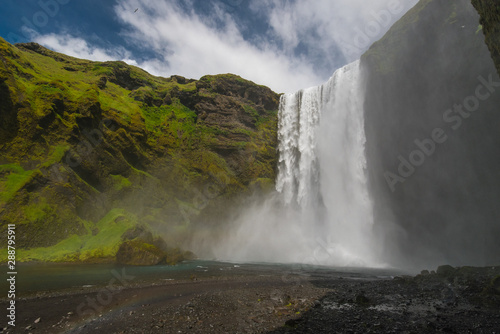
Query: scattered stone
x,y
495,284
361,299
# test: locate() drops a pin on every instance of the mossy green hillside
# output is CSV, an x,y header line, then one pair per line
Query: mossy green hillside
x,y
79,139
100,243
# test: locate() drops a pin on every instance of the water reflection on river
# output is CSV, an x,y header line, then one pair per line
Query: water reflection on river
x,y
33,278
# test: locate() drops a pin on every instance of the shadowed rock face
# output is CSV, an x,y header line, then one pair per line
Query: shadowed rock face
x,y
443,208
8,115
89,150
489,10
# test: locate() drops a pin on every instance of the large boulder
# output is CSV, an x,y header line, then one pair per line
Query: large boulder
x,y
138,253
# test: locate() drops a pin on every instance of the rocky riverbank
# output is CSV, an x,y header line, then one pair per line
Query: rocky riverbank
x,y
278,300
464,300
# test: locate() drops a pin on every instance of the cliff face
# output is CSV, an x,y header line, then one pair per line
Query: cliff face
x,y
490,21
432,137
90,151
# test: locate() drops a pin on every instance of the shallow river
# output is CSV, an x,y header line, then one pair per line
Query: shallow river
x,y
32,278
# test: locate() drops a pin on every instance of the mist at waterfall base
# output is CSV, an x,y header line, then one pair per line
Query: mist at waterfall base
x,y
321,213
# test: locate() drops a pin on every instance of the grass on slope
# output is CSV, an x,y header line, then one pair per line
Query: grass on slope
x,y
101,243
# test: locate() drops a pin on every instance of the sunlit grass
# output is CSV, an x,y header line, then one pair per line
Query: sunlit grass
x,y
103,245
15,177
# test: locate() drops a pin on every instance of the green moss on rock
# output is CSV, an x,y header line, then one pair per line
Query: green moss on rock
x,y
139,253
120,182
12,178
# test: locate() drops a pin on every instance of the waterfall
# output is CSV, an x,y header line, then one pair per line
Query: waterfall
x,y
324,215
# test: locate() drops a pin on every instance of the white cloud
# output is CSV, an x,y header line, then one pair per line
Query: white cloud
x,y
78,47
325,26
193,46
327,34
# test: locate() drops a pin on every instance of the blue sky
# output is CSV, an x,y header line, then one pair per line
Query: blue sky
x,y
284,44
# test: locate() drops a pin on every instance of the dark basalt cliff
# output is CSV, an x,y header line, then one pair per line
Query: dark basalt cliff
x,y
432,127
90,151
490,21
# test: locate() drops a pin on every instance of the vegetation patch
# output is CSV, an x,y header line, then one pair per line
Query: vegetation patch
x,y
120,182
106,242
12,178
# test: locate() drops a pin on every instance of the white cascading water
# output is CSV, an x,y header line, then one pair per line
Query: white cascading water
x,y
324,215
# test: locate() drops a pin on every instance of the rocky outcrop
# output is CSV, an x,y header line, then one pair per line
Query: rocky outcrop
x,y
489,10
139,254
432,137
141,248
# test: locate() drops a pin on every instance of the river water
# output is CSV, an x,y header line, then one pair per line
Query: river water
x,y
35,278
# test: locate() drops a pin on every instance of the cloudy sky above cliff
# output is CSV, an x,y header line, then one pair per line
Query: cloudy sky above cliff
x,y
284,44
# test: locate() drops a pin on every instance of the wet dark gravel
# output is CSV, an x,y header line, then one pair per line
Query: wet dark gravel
x,y
454,301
